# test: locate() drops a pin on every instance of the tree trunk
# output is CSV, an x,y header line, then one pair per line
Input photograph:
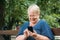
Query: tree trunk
x,y
2,7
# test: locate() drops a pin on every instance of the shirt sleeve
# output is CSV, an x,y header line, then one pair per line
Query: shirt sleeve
x,y
46,31
20,31
22,28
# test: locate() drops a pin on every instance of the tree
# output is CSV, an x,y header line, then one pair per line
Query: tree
x,y
16,11
2,10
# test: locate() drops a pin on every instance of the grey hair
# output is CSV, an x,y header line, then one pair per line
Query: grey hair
x,y
34,7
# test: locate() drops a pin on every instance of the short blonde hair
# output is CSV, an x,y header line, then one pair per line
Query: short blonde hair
x,y
34,7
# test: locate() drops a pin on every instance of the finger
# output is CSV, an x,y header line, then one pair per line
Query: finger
x,y
26,33
25,30
34,34
34,31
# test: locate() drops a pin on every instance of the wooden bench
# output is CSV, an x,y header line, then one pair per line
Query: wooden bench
x,y
56,32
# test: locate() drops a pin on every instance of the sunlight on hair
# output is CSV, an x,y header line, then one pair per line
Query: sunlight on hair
x,y
34,7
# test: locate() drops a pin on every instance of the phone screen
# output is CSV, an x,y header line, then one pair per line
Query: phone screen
x,y
30,29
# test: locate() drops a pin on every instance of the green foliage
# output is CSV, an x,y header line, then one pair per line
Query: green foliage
x,y
17,9
52,19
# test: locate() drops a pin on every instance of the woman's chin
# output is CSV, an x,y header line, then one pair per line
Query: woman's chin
x,y
33,22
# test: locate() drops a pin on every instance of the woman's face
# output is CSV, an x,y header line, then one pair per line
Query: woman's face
x,y
33,16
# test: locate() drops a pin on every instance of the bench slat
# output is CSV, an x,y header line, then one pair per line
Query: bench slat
x,y
8,32
56,31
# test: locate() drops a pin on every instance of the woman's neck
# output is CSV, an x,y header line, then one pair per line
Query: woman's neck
x,y
33,24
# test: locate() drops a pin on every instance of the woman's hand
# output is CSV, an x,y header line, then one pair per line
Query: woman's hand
x,y
33,34
38,36
26,33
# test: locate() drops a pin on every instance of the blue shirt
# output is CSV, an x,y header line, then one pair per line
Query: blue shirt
x,y
41,28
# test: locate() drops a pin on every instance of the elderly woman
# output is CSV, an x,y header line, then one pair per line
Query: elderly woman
x,y
41,30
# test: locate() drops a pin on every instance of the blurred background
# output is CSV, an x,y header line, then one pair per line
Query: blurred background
x,y
13,13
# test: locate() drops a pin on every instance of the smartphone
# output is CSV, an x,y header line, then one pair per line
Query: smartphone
x,y
30,29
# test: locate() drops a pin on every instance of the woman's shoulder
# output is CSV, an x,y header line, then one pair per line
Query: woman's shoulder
x,y
25,24
42,20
